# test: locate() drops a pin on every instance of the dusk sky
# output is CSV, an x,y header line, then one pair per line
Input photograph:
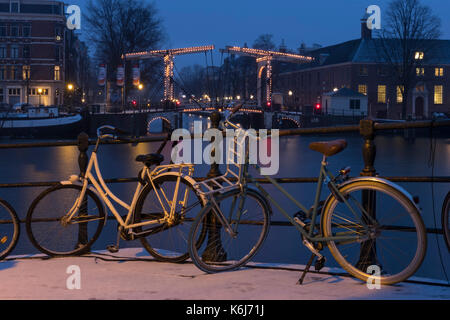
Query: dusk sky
x,y
234,22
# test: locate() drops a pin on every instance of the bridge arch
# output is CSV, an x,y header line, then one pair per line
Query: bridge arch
x,y
159,117
289,120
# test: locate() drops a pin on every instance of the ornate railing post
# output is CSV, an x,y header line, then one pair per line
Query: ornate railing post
x,y
368,248
214,250
83,159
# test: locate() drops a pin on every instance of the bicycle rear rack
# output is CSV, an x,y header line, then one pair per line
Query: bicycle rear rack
x,y
236,157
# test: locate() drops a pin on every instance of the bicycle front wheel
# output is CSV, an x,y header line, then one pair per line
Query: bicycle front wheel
x,y
48,230
168,240
247,214
445,220
9,229
389,235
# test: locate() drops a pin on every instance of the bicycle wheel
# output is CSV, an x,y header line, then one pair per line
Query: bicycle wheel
x,y
223,251
46,227
167,241
445,220
9,229
393,244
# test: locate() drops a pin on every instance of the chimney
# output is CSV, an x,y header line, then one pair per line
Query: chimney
x,y
366,33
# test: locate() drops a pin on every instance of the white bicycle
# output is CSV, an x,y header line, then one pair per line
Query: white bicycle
x,y
68,218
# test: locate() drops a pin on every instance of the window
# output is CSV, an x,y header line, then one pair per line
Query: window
x,y
2,73
26,72
381,71
362,88
14,52
14,31
438,94
399,94
26,31
355,104
26,51
3,30
2,52
363,71
35,92
439,72
57,53
418,55
57,73
381,94
14,7
14,91
420,72
1,94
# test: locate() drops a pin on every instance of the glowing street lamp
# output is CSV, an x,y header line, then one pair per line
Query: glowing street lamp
x,y
40,93
70,87
290,93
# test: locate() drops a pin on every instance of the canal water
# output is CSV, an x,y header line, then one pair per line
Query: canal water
x,y
396,156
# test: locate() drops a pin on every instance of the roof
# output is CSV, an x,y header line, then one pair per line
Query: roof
x,y
370,51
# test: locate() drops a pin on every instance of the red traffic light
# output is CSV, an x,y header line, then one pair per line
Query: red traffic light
x,y
134,102
269,103
318,106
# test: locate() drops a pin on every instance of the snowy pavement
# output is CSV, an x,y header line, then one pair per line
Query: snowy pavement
x,y
36,278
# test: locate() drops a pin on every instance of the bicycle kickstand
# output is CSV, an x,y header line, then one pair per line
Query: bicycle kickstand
x,y
113,248
305,271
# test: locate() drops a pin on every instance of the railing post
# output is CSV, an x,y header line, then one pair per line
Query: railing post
x,y
368,248
83,159
214,250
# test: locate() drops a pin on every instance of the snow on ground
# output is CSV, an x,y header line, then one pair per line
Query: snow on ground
x,y
35,278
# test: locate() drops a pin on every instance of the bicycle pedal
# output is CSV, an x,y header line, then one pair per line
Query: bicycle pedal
x,y
320,263
112,248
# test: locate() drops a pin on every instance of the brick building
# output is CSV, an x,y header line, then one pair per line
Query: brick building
x,y
358,65
32,50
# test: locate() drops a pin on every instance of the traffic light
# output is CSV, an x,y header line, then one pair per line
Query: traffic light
x,y
269,104
134,103
318,108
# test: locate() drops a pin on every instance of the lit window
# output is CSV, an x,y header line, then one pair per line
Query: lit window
x,y
438,94
362,88
420,72
381,94
399,94
26,72
419,55
57,73
439,72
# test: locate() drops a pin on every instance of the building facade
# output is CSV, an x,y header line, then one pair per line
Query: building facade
x,y
32,50
358,65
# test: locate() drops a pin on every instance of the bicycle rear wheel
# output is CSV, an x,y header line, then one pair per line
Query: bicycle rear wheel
x,y
445,220
49,233
391,245
9,229
223,251
168,241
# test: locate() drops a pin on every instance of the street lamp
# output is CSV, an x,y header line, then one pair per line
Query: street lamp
x,y
40,93
70,86
140,87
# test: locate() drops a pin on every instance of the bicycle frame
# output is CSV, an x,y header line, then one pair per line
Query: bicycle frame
x,y
324,177
105,193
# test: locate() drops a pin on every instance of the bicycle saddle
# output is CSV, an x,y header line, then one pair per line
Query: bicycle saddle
x,y
150,159
328,148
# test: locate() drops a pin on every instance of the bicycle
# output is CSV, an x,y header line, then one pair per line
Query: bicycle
x,y
360,232
9,229
445,220
68,218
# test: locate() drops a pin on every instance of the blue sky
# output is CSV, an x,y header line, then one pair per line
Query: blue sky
x,y
234,22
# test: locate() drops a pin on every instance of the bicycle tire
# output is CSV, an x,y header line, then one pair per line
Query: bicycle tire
x,y
396,261
445,220
216,255
49,235
168,243
9,229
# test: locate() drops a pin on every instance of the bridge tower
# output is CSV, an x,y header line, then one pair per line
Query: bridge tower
x,y
264,60
167,56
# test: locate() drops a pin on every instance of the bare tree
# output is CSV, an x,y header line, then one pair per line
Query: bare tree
x,y
264,42
117,27
407,42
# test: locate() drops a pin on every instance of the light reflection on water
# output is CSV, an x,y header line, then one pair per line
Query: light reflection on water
x,y
395,157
